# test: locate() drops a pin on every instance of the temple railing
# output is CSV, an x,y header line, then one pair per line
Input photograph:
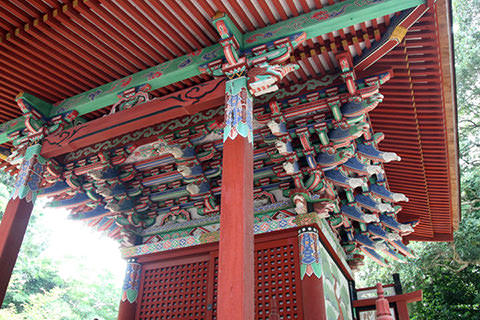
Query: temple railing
x,y
373,303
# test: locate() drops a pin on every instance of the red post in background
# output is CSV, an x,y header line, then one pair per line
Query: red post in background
x,y
382,305
17,214
12,229
402,310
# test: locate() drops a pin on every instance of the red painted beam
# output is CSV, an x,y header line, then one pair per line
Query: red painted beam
x,y
189,41
99,10
36,58
116,64
46,49
138,24
186,102
126,310
236,260
119,54
109,35
24,63
92,63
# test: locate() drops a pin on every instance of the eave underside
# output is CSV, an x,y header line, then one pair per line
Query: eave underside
x,y
413,115
418,119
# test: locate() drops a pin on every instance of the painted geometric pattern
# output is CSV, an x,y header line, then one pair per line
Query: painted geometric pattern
x,y
131,282
261,227
161,246
310,263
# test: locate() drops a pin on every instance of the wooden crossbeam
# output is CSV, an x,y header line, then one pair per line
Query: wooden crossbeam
x,y
185,102
315,23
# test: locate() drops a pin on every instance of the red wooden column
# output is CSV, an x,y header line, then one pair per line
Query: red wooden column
x,y
313,298
236,258
131,284
402,310
17,214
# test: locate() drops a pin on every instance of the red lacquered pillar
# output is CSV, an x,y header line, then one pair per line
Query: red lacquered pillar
x,y
17,214
131,284
313,299
236,259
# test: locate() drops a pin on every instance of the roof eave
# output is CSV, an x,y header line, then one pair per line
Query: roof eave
x,y
444,20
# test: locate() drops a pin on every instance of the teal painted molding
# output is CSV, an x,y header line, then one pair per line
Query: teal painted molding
x,y
328,19
315,23
40,106
157,77
11,126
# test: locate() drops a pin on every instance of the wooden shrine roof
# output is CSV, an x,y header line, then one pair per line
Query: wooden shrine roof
x,y
56,49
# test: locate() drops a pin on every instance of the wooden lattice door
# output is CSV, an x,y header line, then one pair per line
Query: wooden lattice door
x,y
277,278
187,288
177,290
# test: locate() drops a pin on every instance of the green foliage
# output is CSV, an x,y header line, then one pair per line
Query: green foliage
x,y
6,183
39,291
467,65
33,273
450,290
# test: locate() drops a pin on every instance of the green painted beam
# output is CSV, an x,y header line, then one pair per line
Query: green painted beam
x,y
40,106
11,126
157,77
315,23
44,108
328,19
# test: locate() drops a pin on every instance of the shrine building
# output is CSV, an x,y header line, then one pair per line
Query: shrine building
x,y
247,155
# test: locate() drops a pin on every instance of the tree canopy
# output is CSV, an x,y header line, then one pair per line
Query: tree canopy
x,y
38,290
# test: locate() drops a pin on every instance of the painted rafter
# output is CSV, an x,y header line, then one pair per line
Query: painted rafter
x,y
314,24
